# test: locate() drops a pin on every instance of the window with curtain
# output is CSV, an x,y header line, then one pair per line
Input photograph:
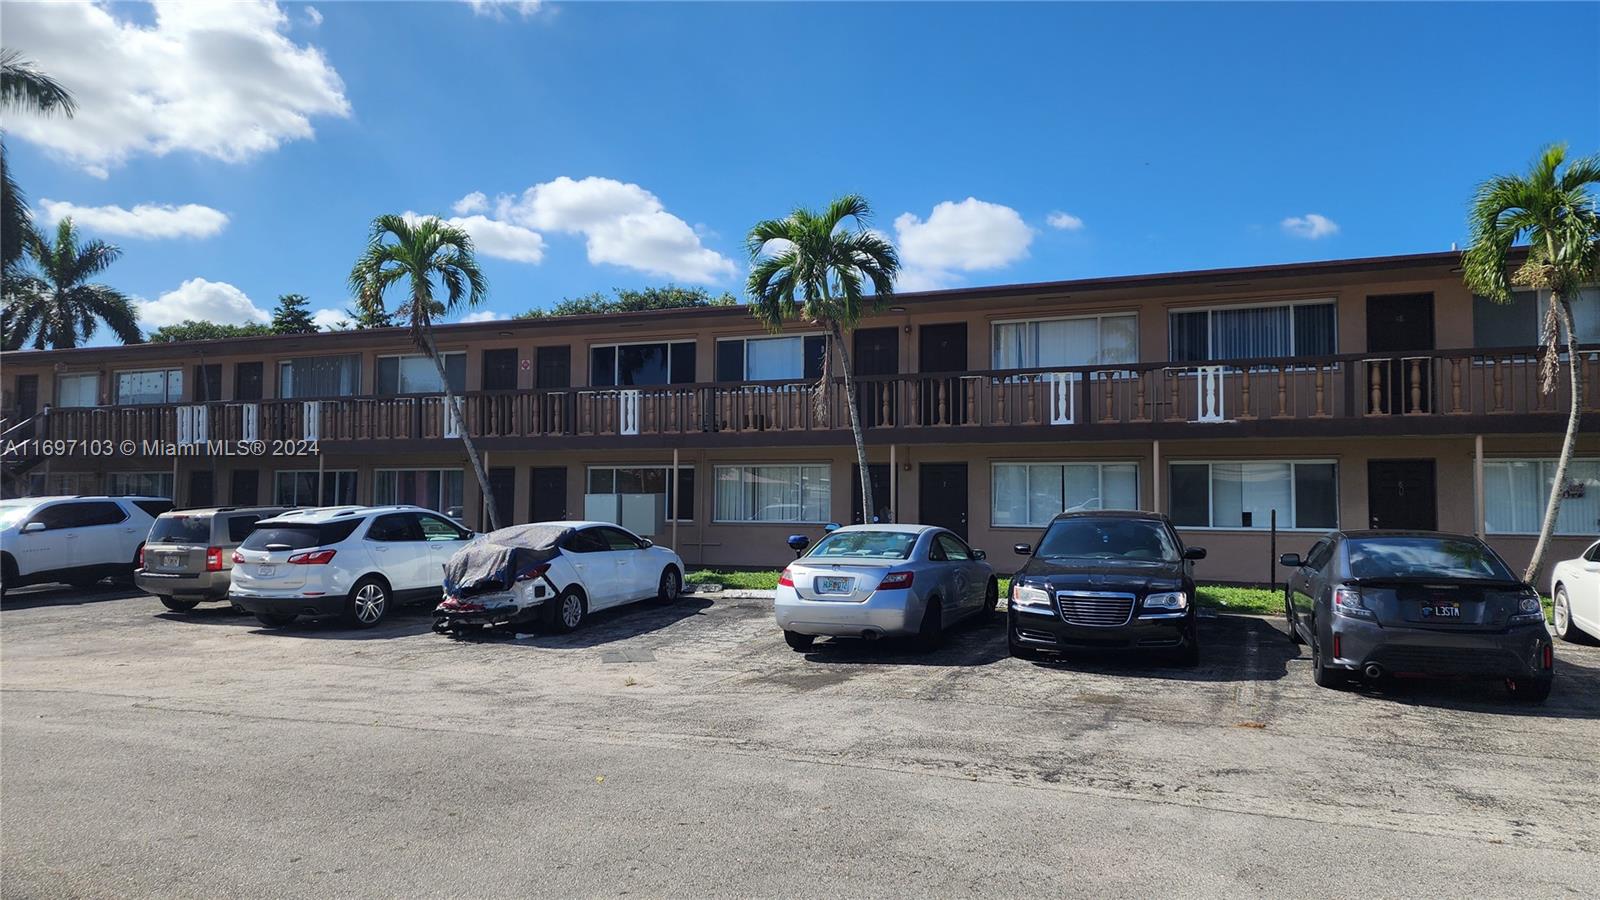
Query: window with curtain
x,y
1244,494
436,489
1249,332
1031,494
1082,341
298,487
311,377
648,480
771,359
1515,492
416,374
1517,324
795,494
78,390
150,386
139,484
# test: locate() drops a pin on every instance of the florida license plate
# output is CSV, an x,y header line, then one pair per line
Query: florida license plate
x,y
171,561
830,585
266,571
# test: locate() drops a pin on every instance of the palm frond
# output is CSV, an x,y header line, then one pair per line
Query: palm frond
x,y
23,87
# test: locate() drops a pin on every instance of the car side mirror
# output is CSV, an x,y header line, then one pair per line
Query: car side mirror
x,y
979,554
646,543
1022,549
799,542
1194,553
32,527
1292,560
831,527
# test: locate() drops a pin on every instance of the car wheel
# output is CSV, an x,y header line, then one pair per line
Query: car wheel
x,y
798,642
670,587
182,606
1562,614
275,620
991,601
1530,690
8,574
1288,613
568,611
1018,651
1321,674
1188,656
368,603
931,633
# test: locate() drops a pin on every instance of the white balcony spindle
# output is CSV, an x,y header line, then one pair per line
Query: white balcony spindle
x,y
628,412
1209,384
249,422
1063,397
311,416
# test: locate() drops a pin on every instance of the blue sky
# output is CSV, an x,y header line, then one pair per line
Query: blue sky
x,y
621,145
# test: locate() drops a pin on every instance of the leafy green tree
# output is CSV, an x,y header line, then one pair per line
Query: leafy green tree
x,y
1554,211
630,300
192,330
418,253
293,315
58,307
809,267
23,89
369,315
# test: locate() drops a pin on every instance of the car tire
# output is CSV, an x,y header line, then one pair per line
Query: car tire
x,y
1324,676
567,611
1561,614
1188,656
991,602
798,642
1018,651
8,573
930,634
1288,614
368,603
670,588
1530,690
179,606
275,620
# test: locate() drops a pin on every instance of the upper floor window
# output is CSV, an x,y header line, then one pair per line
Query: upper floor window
x,y
319,376
1251,332
662,362
1517,324
78,390
1079,341
771,358
150,386
417,374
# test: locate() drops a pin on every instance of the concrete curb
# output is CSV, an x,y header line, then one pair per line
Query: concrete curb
x,y
734,594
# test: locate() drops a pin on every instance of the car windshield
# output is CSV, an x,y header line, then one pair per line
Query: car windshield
x,y
1424,557
1087,538
170,529
12,513
866,545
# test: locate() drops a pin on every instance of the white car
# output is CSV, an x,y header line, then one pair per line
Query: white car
x,y
77,540
355,562
553,574
1575,590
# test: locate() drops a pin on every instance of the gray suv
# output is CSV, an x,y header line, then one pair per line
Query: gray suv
x,y
188,557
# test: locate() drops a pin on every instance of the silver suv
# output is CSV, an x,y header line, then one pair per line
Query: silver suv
x,y
188,557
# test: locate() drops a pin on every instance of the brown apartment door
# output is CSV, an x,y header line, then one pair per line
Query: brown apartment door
x,y
500,369
942,496
548,499
876,351
943,349
503,488
202,489
246,487
552,371
1401,494
27,403
1400,324
880,493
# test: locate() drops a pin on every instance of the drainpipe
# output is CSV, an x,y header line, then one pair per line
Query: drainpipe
x,y
1477,486
1155,476
894,486
673,513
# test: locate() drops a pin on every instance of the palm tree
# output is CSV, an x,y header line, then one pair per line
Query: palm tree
x,y
816,272
1554,211
58,307
419,251
23,88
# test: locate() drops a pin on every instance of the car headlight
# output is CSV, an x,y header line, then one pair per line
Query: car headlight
x,y
1024,595
1171,601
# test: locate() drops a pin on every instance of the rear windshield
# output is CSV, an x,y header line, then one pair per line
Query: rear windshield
x,y
299,537
1424,557
867,544
154,507
181,529
1131,539
239,527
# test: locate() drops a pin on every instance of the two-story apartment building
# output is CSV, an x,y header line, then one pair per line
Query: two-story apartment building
x,y
1352,393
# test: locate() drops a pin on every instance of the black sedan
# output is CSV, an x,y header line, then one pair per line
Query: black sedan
x,y
1105,581
1377,604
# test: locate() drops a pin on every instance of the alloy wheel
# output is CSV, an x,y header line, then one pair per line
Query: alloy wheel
x,y
1561,613
571,611
370,603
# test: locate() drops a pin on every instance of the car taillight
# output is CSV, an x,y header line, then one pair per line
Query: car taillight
x,y
213,559
785,579
896,581
237,557
314,558
140,563
534,572
1549,656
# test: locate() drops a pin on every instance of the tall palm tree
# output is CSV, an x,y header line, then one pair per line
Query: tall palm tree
x,y
815,272
418,252
1554,211
23,89
58,307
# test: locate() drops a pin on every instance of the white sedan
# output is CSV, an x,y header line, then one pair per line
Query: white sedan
x,y
553,574
1575,590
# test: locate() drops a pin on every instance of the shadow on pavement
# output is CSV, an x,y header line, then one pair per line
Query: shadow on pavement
x,y
605,627
35,596
1575,695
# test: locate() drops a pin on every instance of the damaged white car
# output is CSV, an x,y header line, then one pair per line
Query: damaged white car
x,y
552,575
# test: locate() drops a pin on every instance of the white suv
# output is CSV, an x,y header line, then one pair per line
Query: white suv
x,y
356,562
77,540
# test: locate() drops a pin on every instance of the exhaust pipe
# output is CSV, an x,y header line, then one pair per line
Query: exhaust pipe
x,y
1373,671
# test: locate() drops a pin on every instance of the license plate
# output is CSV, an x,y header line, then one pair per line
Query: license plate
x,y
826,585
266,571
1443,610
171,560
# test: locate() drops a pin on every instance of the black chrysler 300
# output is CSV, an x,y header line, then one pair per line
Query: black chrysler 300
x,y
1105,581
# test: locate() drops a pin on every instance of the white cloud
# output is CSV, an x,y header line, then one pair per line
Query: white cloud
x,y
1063,221
494,238
497,8
145,220
911,278
1310,226
958,237
330,319
202,301
623,224
474,202
483,315
217,79
313,16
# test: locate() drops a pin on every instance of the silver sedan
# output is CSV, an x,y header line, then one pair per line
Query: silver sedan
x,y
875,581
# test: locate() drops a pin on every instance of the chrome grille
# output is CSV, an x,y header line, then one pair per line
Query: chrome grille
x,y
1102,609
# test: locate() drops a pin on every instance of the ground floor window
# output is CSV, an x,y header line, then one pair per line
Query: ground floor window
x,y
1030,494
439,489
1515,492
139,484
1305,494
677,503
795,493
299,488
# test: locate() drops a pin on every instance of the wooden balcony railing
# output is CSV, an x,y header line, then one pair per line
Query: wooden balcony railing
x,y
1348,387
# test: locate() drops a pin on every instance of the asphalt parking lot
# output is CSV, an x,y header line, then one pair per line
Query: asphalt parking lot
x,y
686,751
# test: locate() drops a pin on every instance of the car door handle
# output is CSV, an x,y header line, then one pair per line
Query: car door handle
x,y
380,549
